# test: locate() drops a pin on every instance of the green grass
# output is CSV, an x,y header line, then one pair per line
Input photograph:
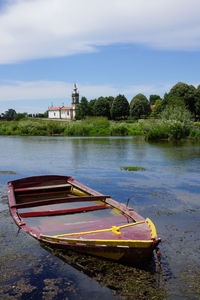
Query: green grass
x,y
152,129
97,126
133,168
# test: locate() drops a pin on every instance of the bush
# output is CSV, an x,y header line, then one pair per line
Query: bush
x,y
31,128
176,113
55,127
178,130
77,129
120,129
171,130
196,124
158,132
195,134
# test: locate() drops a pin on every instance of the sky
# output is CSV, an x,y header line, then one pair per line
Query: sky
x,y
105,47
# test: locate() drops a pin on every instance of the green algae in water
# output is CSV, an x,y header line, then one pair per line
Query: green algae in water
x,y
133,168
7,172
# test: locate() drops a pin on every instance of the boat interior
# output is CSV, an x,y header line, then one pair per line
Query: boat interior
x,y
59,207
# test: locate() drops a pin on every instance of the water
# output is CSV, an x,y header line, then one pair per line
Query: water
x,y
167,192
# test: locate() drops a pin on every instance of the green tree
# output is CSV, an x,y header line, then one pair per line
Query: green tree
x,y
91,107
139,96
176,113
102,107
197,104
185,92
110,100
120,108
156,110
153,98
20,116
8,115
82,109
140,107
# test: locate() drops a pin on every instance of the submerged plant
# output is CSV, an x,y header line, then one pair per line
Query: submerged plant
x,y
133,168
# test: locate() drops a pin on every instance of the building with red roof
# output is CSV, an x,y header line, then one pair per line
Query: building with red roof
x,y
63,112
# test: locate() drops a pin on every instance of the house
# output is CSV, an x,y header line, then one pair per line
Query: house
x,y
63,112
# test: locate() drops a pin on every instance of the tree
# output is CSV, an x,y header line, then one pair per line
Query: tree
x,y
185,92
20,116
120,108
91,107
156,110
102,107
139,107
8,115
153,98
139,96
110,100
197,104
176,113
83,109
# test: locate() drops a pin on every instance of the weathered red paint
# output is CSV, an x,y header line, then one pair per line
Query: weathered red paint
x,y
63,211
24,185
58,200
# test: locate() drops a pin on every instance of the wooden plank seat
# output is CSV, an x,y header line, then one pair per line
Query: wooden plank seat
x,y
43,187
43,193
59,200
63,211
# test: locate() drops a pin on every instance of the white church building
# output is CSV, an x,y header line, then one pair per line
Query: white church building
x,y
62,112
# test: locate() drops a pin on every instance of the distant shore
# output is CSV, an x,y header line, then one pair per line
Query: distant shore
x,y
151,129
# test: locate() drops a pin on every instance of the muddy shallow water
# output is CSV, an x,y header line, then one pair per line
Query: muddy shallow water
x,y
168,192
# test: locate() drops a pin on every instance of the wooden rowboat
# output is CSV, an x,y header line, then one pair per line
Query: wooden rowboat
x,y
60,211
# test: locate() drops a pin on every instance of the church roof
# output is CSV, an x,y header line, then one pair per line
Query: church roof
x,y
60,108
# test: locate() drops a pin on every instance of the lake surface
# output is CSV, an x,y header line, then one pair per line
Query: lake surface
x,y
168,192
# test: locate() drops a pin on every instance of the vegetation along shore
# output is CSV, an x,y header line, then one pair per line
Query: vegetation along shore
x,y
174,117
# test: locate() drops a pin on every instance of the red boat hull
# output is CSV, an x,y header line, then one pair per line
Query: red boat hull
x,y
62,212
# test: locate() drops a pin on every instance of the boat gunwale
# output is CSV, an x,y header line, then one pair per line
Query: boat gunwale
x,y
82,243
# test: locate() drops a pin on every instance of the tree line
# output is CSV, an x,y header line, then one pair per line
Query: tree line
x,y
181,96
12,115
182,99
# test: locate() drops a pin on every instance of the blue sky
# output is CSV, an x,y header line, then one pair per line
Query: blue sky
x,y
107,48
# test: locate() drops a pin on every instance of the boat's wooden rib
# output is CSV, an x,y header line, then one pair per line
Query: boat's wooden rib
x,y
42,193
58,200
44,187
63,211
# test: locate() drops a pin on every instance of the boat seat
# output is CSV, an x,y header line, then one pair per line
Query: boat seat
x,y
44,187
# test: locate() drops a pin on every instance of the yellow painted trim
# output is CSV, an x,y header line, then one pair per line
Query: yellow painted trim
x,y
111,243
114,229
77,192
152,227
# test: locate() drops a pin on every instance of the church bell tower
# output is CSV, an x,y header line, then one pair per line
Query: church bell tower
x,y
75,96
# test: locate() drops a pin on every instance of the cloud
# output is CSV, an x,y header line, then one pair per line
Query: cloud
x,y
31,29
37,96
59,91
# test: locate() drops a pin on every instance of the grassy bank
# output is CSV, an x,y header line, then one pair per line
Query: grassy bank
x,y
151,129
87,127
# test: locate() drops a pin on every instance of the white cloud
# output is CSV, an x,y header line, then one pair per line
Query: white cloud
x,y
47,28
60,91
37,96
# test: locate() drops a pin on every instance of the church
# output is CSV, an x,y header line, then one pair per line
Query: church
x,y
62,112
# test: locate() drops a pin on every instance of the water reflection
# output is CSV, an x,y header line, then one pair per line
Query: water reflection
x,y
146,282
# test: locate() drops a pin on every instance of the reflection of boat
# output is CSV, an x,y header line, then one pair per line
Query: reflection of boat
x,y
144,282
61,211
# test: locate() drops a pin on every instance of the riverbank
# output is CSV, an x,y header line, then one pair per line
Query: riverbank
x,y
151,129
